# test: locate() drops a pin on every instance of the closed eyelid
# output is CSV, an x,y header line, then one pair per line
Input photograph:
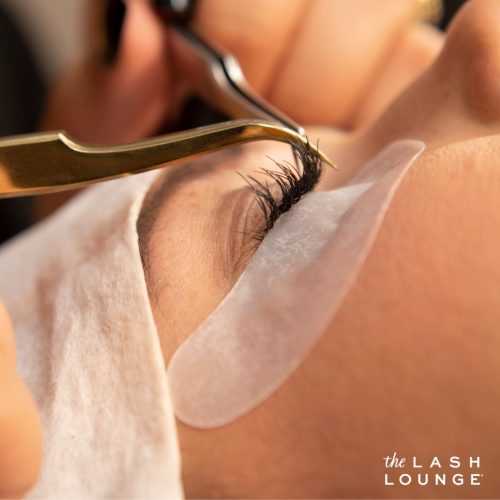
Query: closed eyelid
x,y
241,216
196,235
244,221
257,206
166,188
285,185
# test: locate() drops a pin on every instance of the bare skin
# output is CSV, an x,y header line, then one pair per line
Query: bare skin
x,y
409,364
127,101
20,432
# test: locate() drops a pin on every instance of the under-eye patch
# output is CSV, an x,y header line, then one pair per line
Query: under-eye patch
x,y
289,292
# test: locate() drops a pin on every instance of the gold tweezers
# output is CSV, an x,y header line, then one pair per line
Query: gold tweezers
x,y
48,162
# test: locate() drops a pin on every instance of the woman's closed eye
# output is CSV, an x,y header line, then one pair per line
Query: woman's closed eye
x,y
268,194
285,186
202,222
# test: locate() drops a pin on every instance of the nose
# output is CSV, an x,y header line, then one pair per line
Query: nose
x,y
458,97
471,56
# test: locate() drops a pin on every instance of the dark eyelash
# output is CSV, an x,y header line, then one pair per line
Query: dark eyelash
x,y
293,181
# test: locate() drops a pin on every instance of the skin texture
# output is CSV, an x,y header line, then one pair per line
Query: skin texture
x,y
132,97
409,364
420,390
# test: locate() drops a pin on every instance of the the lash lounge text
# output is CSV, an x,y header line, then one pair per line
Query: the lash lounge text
x,y
436,471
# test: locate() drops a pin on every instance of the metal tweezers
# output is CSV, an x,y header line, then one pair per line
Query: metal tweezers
x,y
48,162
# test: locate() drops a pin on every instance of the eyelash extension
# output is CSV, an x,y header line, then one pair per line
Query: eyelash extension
x,y
293,181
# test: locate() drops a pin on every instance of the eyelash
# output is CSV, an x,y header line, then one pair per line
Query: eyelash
x,y
293,180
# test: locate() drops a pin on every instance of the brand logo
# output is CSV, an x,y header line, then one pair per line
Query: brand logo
x,y
457,471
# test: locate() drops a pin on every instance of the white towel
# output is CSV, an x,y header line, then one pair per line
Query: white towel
x,y
89,351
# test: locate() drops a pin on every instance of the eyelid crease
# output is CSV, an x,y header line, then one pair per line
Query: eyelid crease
x,y
242,224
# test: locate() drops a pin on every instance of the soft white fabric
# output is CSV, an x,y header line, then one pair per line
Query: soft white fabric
x,y
285,298
89,351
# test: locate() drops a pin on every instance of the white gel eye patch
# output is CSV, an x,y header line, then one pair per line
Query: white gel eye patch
x,y
286,297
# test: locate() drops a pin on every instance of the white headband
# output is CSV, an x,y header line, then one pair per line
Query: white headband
x,y
89,351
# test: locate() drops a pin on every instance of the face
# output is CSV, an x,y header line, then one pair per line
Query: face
x,y
398,369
